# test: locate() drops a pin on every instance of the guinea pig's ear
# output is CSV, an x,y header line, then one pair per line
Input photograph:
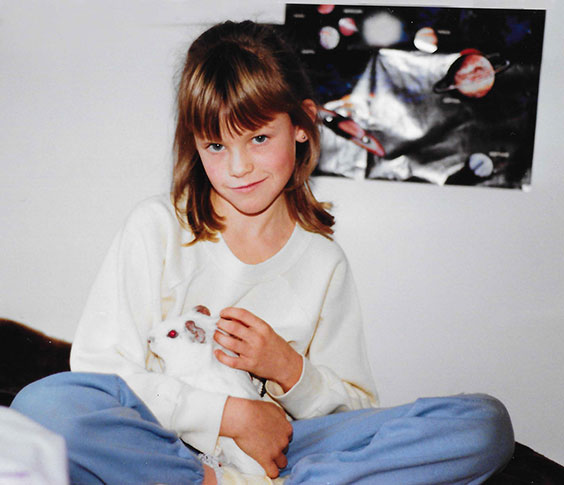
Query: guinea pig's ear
x,y
198,333
202,309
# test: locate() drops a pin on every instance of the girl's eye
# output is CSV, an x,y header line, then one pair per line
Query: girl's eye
x,y
215,147
172,334
259,139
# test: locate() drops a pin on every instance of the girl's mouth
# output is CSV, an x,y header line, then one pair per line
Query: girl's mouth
x,y
248,187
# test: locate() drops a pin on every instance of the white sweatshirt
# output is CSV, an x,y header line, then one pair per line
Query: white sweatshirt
x,y
305,292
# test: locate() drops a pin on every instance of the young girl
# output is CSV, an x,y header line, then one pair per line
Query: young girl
x,y
244,235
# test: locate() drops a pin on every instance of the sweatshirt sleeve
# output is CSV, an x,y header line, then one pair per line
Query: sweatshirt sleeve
x,y
124,304
336,374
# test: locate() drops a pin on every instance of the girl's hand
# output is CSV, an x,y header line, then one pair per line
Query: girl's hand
x,y
260,350
260,429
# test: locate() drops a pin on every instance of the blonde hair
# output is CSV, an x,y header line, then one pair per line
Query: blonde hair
x,y
238,76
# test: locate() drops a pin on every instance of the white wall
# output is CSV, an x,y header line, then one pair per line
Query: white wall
x,y
462,288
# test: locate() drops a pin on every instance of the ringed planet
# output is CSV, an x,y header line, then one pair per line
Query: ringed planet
x,y
472,74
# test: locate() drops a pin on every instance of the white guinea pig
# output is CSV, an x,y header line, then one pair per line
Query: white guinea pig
x,y
185,346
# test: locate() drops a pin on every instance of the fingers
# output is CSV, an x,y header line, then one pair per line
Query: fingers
x,y
234,328
232,335
278,438
242,315
261,430
235,361
271,469
227,360
244,335
234,344
281,461
258,348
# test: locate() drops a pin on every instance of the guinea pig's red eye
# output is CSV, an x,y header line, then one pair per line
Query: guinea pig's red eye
x,y
172,334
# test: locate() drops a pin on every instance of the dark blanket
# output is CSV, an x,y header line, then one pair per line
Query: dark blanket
x,y
27,355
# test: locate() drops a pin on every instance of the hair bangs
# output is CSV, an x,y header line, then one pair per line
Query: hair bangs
x,y
237,92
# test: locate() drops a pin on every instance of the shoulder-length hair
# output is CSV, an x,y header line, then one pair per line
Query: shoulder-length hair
x,y
238,76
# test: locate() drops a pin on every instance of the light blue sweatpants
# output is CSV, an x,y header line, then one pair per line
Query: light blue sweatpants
x,y
113,438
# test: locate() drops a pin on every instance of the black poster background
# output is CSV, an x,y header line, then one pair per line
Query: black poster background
x,y
392,93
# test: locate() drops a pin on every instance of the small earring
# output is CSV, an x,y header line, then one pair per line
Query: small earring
x,y
304,137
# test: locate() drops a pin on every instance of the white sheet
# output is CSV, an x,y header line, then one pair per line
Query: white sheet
x,y
29,453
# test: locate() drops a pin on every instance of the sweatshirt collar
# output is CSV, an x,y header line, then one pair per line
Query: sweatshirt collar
x,y
279,263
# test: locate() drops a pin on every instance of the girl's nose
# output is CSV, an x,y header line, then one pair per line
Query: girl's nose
x,y
240,164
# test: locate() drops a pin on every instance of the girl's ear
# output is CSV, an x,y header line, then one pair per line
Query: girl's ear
x,y
311,109
301,135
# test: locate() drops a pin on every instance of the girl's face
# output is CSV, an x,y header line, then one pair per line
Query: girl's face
x,y
249,171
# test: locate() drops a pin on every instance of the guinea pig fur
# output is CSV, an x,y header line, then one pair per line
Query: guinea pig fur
x,y
186,347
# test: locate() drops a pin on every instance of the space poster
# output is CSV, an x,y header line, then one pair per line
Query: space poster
x,y
438,95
